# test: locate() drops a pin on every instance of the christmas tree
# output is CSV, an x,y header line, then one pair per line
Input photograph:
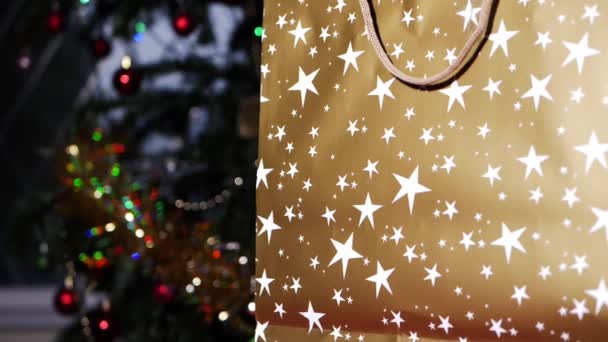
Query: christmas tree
x,y
149,222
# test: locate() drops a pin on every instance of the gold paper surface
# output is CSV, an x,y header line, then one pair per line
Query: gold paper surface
x,y
474,212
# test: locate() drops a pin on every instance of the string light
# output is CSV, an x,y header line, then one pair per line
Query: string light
x,y
125,62
209,203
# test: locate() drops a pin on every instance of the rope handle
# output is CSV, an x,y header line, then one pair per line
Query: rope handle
x,y
486,9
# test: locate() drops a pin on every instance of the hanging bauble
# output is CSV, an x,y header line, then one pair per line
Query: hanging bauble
x,y
126,81
164,293
66,301
183,24
100,47
55,21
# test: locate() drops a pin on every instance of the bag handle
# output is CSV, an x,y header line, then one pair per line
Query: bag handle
x,y
486,10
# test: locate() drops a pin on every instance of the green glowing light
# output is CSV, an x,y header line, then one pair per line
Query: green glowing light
x,y
259,31
84,2
140,27
82,257
116,170
97,136
98,255
78,182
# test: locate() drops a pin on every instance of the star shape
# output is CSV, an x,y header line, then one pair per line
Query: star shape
x,y
590,13
410,187
543,39
497,327
264,282
382,89
580,308
367,210
314,262
466,240
313,318
371,168
410,254
449,164
281,21
407,17
427,135
344,253
510,240
299,33
520,294
492,174
492,87
398,50
501,38
533,162
268,225
450,209
329,215
455,93
469,14
397,235
570,197
538,90
593,151
600,294
305,84
579,52
278,308
432,274
397,319
602,220
259,331
483,130
350,58
445,324
261,174
381,278
388,134
580,264
336,332
486,271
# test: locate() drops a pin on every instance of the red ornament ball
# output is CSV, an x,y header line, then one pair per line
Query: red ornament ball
x,y
66,301
55,21
104,325
183,24
126,81
164,293
100,47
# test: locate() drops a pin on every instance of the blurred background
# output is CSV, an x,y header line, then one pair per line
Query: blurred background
x,y
128,134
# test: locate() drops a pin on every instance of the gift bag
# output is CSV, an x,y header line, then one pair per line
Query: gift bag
x,y
433,171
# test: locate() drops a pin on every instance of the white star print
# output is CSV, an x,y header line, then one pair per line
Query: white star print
x,y
432,274
570,197
483,130
264,282
510,240
445,324
305,84
520,294
381,279
296,284
336,332
451,209
299,34
398,50
492,87
486,271
580,308
580,264
397,235
313,318
342,182
259,331
397,319
533,162
388,134
261,174
543,40
602,221
278,308
350,58
325,33
344,253
593,151
382,89
329,215
600,295
338,296
367,210
469,14
545,272
501,39
410,254
497,327
590,13
281,21
455,93
268,225
407,17
314,262
449,164
409,187
371,168
492,174
426,135
579,51
466,240
538,90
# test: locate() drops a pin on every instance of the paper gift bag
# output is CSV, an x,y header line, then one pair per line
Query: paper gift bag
x,y
433,171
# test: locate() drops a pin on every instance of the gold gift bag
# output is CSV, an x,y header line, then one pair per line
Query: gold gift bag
x,y
433,171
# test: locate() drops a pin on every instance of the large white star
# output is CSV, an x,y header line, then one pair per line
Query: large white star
x,y
409,187
445,324
510,240
367,210
329,215
305,84
382,89
381,278
593,151
299,34
261,174
520,294
538,90
602,221
397,318
469,14
497,327
268,225
344,252
501,39
264,282
455,93
533,162
259,331
313,317
350,58
579,51
600,295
